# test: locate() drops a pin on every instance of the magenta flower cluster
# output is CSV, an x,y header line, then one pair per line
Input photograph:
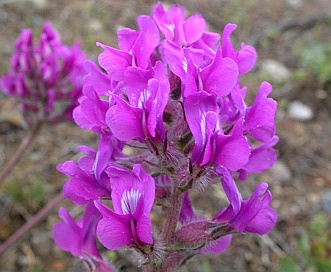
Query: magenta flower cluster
x,y
171,116
46,78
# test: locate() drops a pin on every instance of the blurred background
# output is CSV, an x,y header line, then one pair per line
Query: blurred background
x,y
293,41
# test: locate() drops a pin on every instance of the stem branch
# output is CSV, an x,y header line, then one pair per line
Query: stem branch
x,y
19,152
29,224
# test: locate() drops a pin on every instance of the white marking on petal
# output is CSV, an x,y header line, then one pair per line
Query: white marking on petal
x,y
143,97
129,201
203,127
218,126
185,64
171,27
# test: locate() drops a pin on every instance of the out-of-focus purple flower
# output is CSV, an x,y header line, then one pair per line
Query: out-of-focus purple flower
x,y
253,215
79,238
133,197
46,78
82,234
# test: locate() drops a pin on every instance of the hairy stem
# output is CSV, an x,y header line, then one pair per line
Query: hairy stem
x,y
173,211
169,229
19,152
29,224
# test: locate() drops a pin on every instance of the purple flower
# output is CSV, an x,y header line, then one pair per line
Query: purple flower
x,y
217,246
260,117
162,187
253,215
132,196
91,112
97,79
261,158
245,58
232,107
184,33
46,78
174,26
82,187
212,146
82,237
219,76
148,93
135,49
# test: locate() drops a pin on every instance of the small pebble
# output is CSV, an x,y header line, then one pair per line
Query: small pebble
x,y
275,71
280,172
23,261
40,4
42,243
326,201
294,3
299,111
95,25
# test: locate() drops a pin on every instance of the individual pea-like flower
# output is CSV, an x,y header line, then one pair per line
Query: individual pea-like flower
x,y
174,26
83,187
259,119
212,145
195,76
133,197
79,238
253,215
245,57
135,50
142,117
46,78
